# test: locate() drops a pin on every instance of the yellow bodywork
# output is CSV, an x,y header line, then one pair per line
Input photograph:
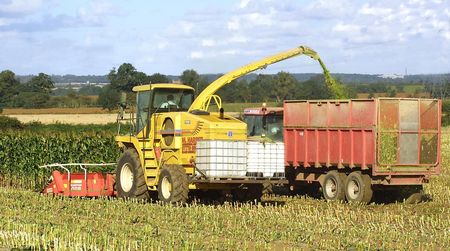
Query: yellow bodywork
x,y
194,124
188,129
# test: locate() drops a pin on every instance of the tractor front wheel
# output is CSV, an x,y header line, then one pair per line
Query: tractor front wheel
x,y
173,185
130,181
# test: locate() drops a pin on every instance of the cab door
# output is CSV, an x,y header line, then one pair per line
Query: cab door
x,y
142,111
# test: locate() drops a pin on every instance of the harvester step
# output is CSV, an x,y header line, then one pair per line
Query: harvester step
x,y
151,172
148,154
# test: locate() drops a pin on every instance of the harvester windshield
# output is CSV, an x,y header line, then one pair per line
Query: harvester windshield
x,y
173,99
167,98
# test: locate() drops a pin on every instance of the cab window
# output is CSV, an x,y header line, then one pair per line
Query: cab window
x,y
169,99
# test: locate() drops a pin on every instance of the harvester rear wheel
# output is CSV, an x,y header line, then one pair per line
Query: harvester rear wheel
x,y
173,185
130,181
358,188
333,187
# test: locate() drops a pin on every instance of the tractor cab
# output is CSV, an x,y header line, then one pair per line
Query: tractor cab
x,y
264,123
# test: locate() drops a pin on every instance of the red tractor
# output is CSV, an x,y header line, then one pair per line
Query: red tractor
x,y
264,123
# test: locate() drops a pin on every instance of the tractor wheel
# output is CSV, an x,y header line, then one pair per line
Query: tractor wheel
x,y
173,185
130,181
358,188
333,187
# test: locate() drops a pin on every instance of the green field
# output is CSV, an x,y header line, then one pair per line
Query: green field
x,y
30,220
413,88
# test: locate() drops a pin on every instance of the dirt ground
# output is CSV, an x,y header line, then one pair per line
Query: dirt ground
x,y
102,118
81,110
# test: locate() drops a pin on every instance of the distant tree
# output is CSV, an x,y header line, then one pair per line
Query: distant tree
x,y
392,92
109,98
41,83
314,88
262,88
190,77
126,77
236,91
140,78
9,87
285,84
31,100
158,78
90,90
242,92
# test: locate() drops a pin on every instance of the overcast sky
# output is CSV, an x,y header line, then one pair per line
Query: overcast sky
x,y
91,37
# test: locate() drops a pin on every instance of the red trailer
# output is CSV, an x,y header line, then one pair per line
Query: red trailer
x,y
352,147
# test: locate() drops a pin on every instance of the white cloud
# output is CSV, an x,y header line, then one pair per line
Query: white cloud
x,y
162,45
325,9
196,55
5,21
208,43
347,28
230,52
243,3
234,24
186,27
366,9
8,34
96,11
238,39
20,6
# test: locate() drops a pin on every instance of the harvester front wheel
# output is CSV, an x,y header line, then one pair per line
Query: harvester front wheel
x,y
173,185
130,181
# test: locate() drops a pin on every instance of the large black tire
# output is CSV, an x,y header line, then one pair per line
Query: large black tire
x,y
130,180
333,186
173,185
358,188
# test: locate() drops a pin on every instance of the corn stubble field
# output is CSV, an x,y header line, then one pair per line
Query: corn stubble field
x,y
31,220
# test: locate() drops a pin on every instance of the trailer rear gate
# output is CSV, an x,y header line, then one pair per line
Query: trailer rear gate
x,y
399,138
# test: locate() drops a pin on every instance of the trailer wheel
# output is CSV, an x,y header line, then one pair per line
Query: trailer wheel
x,y
130,181
173,185
358,188
333,187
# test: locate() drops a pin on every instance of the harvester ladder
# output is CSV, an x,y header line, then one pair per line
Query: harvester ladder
x,y
150,161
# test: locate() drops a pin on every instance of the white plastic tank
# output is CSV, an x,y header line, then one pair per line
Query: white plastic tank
x,y
265,159
222,158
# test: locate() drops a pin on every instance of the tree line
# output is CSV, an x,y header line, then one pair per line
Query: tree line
x,y
264,88
36,91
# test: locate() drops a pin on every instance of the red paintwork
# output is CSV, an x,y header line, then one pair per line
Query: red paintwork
x,y
93,185
345,133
